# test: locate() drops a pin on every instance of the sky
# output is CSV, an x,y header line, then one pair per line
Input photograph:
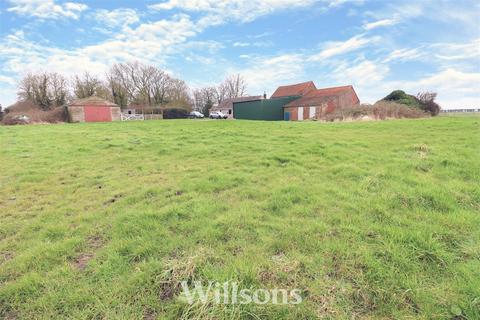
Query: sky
x,y
375,45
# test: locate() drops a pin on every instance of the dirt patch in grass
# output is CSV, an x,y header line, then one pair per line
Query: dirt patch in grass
x,y
149,314
5,256
113,199
181,268
325,303
93,244
283,271
10,315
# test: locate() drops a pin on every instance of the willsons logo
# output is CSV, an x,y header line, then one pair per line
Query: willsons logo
x,y
229,293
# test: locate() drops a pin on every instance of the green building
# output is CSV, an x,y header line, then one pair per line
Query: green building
x,y
262,109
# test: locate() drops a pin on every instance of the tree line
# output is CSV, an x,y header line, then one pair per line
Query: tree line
x,y
126,84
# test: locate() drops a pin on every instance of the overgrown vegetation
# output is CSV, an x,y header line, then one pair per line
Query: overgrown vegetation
x,y
369,219
379,111
424,101
26,112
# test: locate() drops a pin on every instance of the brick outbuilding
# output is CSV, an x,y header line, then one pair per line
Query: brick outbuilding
x,y
93,109
316,103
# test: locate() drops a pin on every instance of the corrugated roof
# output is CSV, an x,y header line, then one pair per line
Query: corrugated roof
x,y
318,96
228,103
92,101
298,89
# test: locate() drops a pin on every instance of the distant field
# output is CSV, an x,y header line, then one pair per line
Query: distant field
x,y
369,220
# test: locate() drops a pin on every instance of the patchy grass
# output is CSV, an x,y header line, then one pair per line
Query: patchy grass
x,y
369,220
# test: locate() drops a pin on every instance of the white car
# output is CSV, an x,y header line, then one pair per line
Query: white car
x,y
217,115
196,114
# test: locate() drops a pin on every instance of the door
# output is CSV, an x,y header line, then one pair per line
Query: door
x,y
286,116
97,114
300,113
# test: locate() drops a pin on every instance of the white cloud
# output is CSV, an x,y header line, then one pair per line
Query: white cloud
x,y
150,43
252,44
404,55
335,48
8,80
117,18
265,73
241,44
457,51
380,23
455,88
338,3
452,81
219,11
47,9
361,72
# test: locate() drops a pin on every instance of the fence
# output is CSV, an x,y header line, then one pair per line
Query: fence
x,y
130,117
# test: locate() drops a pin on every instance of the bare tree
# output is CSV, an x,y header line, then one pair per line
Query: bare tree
x,y
204,99
137,83
427,100
47,90
89,85
178,94
233,86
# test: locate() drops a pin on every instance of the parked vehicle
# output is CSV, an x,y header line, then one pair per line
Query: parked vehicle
x,y
175,113
196,115
218,115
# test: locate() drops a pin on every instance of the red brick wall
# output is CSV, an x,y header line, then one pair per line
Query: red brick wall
x,y
293,113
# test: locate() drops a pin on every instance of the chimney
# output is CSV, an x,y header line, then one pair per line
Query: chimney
x,y
264,95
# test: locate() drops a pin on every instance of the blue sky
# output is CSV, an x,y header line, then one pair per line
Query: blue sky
x,y
377,46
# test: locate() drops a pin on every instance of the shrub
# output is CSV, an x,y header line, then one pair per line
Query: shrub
x,y
26,112
379,111
427,100
424,101
399,96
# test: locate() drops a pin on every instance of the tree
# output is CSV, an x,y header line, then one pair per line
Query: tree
x,y
233,86
204,99
89,85
178,94
47,90
137,83
427,99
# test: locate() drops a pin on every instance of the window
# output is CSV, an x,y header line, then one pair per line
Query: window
x,y
229,111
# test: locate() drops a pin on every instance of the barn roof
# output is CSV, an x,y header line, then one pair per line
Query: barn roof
x,y
298,89
92,101
228,103
318,96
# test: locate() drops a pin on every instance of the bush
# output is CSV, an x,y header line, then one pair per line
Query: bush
x,y
26,112
379,111
424,101
427,99
175,113
399,96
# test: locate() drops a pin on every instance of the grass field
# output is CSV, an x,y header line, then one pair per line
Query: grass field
x,y
369,220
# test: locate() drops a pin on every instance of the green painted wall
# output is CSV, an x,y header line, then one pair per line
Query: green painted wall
x,y
266,109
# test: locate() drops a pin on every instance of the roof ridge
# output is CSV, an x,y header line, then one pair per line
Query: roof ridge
x,y
296,84
338,87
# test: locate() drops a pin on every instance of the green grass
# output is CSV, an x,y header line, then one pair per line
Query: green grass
x,y
369,220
